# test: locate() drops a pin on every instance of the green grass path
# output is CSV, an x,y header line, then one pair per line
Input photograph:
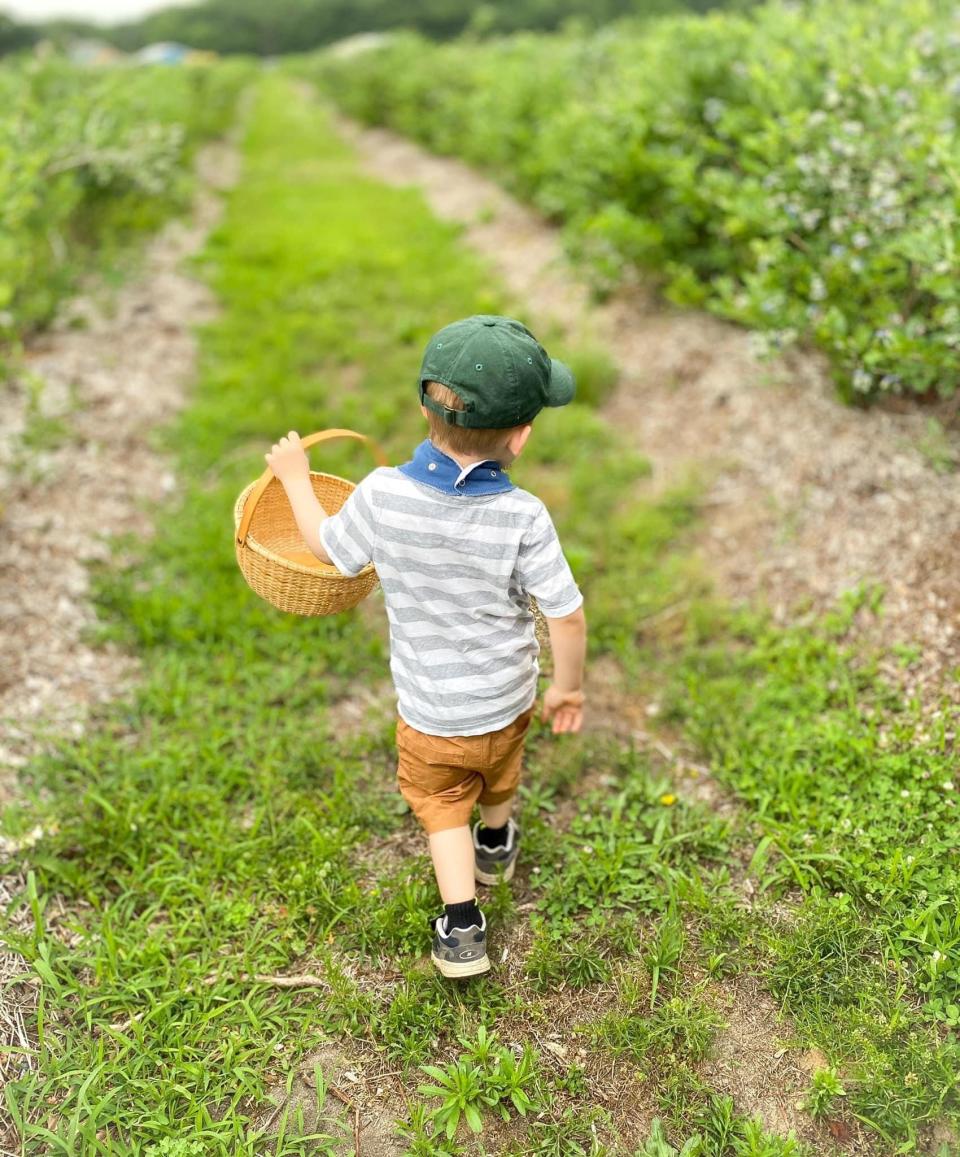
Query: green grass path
x,y
219,824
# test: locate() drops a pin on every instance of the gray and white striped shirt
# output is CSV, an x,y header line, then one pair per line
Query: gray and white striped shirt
x,y
457,573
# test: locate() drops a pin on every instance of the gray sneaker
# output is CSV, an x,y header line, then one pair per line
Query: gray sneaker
x,y
490,862
460,952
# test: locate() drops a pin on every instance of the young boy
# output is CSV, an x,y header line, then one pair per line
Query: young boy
x,y
459,550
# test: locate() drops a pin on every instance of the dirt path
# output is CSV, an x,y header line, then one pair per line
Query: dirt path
x,y
110,382
90,392
805,498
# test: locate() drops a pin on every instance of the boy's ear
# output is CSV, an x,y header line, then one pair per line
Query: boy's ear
x,y
518,439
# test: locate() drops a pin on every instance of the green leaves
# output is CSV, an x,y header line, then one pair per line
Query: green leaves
x,y
487,1076
460,1089
825,1088
754,164
90,158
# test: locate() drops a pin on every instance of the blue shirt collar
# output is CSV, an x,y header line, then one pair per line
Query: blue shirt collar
x,y
434,468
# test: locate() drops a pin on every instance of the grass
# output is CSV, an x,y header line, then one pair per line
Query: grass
x,y
220,825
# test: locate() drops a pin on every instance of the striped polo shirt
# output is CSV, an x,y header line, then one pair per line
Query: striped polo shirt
x,y
458,553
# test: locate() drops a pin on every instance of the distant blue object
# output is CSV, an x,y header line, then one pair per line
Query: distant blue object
x,y
164,52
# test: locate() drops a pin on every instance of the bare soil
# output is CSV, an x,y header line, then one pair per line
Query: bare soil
x,y
86,398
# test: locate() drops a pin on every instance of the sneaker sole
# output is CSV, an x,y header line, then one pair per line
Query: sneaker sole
x,y
458,971
491,877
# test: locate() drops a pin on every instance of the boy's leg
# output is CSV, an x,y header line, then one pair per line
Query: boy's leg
x,y
495,815
460,935
495,837
452,854
434,778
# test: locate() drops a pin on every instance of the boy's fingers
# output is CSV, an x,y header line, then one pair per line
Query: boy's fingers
x,y
568,719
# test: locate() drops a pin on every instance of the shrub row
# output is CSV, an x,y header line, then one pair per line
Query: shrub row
x,y
795,168
88,157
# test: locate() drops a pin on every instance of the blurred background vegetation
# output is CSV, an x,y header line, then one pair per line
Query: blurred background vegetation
x,y
284,26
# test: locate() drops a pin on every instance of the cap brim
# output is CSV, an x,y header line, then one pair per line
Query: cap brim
x,y
563,385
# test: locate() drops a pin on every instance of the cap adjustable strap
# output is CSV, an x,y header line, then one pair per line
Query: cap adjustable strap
x,y
451,417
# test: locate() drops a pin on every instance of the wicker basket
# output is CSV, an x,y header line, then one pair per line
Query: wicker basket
x,y
273,557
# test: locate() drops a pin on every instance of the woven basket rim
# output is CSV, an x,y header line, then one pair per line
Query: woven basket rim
x,y
278,559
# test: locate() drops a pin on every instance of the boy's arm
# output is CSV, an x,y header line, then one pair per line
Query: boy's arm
x,y
563,699
288,460
309,514
544,573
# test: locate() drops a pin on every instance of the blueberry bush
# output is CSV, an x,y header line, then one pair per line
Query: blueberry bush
x,y
795,168
88,158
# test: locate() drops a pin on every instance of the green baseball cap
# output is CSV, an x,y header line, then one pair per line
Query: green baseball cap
x,y
495,364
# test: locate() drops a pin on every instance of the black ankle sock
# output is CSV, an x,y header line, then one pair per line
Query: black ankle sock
x,y
463,915
493,837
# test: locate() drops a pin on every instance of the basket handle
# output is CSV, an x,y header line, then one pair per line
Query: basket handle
x,y
311,440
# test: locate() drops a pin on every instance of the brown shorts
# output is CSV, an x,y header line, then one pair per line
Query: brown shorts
x,y
442,776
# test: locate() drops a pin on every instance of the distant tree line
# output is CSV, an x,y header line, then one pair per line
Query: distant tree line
x,y
286,26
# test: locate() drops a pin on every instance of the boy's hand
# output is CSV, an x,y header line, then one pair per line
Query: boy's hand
x,y
565,708
288,459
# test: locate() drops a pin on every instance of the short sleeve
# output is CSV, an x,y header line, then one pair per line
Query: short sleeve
x,y
543,571
348,536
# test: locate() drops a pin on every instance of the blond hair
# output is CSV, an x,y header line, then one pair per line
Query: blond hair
x,y
460,439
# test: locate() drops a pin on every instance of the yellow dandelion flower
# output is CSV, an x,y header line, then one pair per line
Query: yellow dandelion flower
x,y
667,800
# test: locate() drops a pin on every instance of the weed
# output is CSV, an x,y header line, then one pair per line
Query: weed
x,y
560,954
421,1136
572,1134
720,1123
657,1144
663,955
487,1076
825,1087
755,1141
460,1088
681,1027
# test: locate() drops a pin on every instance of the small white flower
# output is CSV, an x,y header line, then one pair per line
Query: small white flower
x,y
818,288
862,381
713,110
948,785
904,793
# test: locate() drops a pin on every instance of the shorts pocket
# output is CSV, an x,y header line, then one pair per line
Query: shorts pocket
x,y
512,737
435,750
